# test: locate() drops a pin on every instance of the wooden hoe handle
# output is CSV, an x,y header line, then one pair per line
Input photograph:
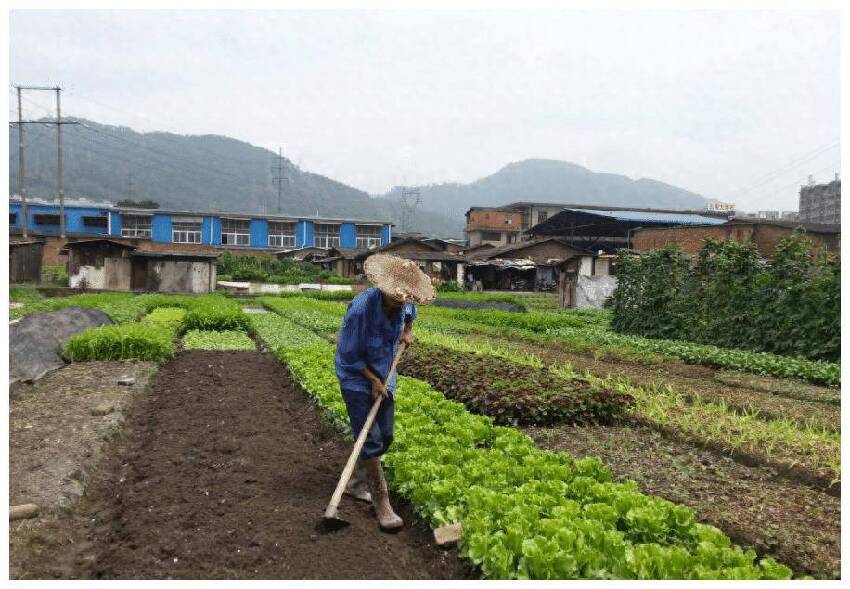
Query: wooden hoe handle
x,y
330,512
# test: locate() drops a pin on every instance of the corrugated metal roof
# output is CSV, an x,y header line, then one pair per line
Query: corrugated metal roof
x,y
651,218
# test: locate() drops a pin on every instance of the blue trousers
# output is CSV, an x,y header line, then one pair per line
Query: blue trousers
x,y
380,435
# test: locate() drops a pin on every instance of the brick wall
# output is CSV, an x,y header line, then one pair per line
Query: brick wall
x,y
494,220
690,239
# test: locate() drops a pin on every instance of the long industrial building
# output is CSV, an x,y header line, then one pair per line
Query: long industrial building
x,y
225,230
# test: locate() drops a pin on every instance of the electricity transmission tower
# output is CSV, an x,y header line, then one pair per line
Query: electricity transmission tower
x,y
279,178
410,199
60,188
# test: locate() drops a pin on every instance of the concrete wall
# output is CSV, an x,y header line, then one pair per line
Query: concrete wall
x,y
181,276
593,291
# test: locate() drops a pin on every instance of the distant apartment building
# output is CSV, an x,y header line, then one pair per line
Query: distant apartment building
x,y
821,203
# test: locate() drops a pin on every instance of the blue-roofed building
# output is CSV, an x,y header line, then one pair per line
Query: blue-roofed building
x,y
607,230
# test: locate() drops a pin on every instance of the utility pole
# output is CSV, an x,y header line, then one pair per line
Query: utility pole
x,y
279,179
59,179
21,187
59,154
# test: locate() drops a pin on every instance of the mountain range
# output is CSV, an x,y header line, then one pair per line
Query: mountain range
x,y
217,173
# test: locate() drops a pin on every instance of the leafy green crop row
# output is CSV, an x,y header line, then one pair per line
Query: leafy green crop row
x,y
142,341
828,373
166,315
510,392
197,339
527,513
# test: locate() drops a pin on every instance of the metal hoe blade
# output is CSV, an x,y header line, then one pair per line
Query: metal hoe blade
x,y
331,522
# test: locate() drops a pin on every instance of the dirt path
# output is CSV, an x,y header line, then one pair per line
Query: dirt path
x,y
224,473
798,525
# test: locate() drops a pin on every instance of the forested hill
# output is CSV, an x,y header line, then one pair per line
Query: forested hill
x,y
192,172
217,173
541,180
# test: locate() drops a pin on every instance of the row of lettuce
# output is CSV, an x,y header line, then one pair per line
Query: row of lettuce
x,y
587,330
148,326
516,387
527,513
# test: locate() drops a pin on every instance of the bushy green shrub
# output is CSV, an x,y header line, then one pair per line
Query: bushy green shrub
x,y
138,341
732,297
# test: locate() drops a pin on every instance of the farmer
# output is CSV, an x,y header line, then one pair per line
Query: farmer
x,y
377,321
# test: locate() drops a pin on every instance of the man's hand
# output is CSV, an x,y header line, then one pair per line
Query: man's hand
x,y
379,391
407,338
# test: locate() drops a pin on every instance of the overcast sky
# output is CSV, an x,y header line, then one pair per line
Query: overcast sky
x,y
739,106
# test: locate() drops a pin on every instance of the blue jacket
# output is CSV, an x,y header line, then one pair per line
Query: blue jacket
x,y
368,338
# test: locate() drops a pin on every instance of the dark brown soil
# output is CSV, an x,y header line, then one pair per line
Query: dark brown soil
x,y
224,472
791,521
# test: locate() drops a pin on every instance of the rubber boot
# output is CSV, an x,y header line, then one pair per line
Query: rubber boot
x,y
358,484
387,518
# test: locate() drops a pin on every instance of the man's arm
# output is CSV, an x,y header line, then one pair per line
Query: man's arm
x,y
378,387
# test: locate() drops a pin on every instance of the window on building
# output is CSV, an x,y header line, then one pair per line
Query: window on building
x,y
281,234
235,232
326,235
13,218
136,226
99,221
491,236
542,216
186,230
46,219
368,236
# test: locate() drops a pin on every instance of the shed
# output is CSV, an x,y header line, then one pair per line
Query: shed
x,y
435,261
174,271
609,229
530,265
25,260
112,264
343,261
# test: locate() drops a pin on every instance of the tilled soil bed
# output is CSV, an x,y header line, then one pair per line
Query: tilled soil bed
x,y
224,472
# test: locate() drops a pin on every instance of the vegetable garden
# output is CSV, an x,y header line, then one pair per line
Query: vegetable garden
x,y
492,404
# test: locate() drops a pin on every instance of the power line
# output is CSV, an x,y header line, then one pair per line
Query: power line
x,y
808,156
199,148
156,152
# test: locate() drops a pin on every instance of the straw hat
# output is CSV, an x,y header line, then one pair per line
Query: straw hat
x,y
399,278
